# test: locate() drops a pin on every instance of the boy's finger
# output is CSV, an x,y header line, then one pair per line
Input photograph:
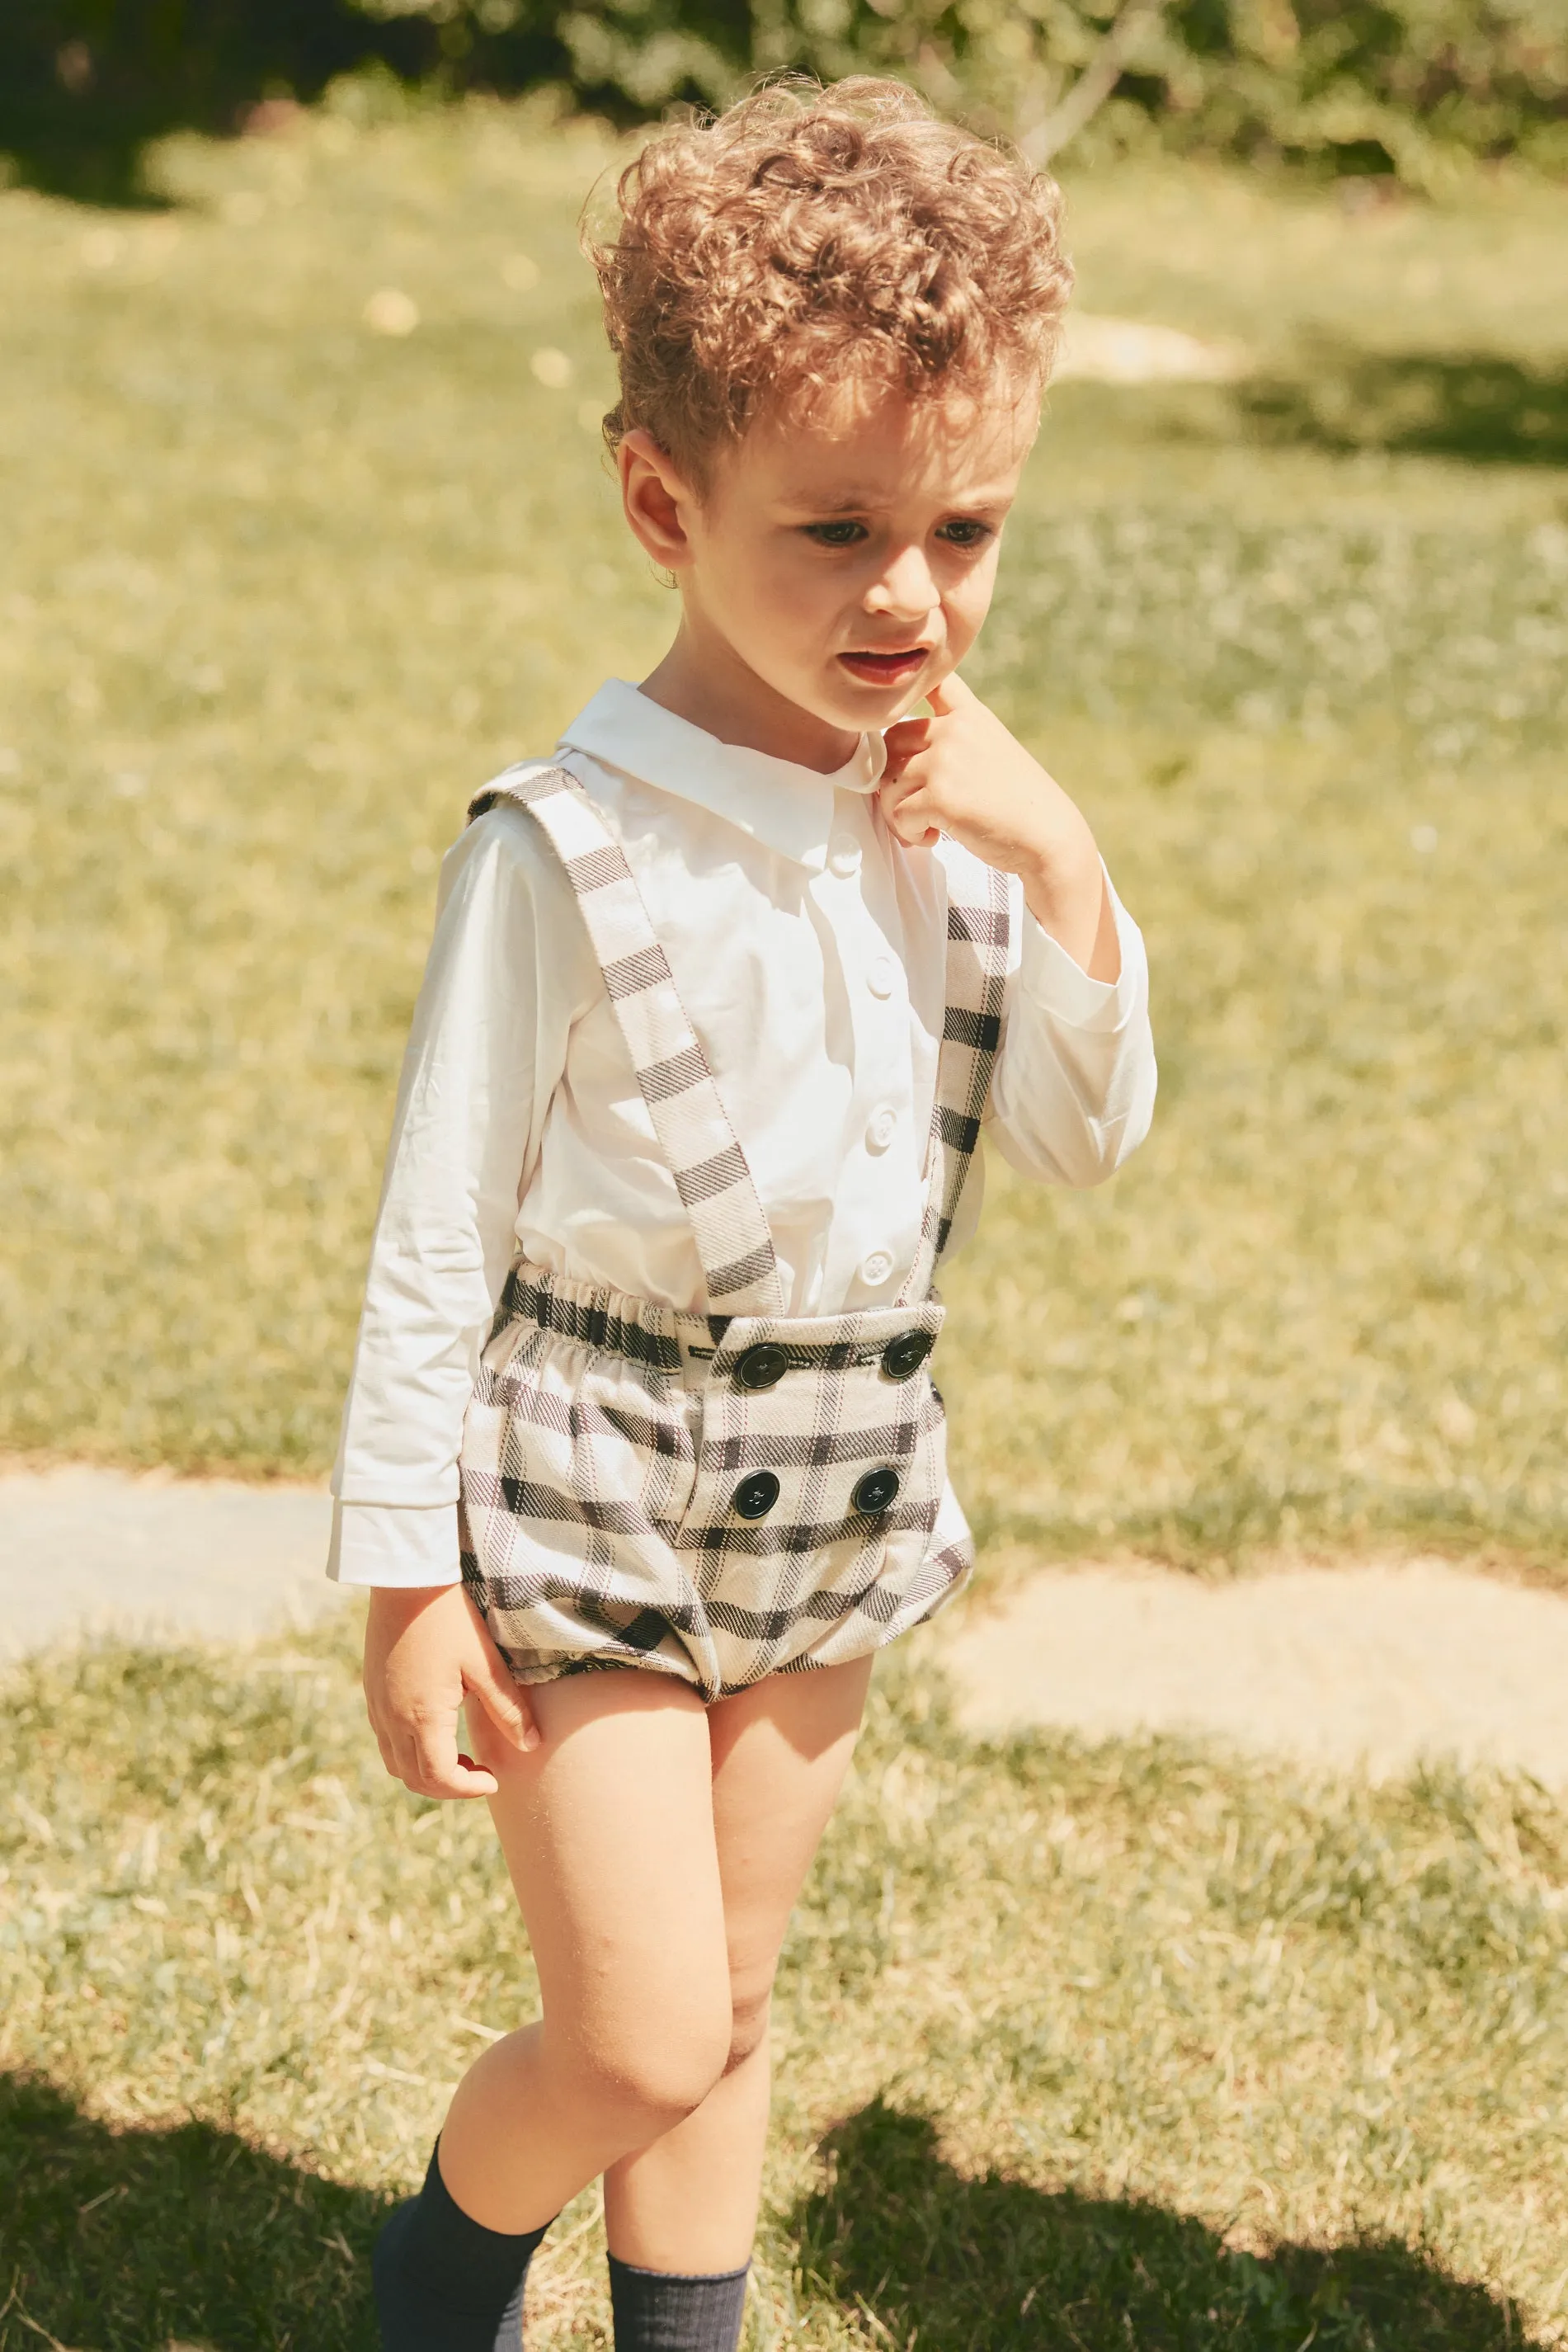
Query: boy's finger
x,y
497,1694
912,824
907,785
488,1678
425,1750
950,694
460,1784
904,739
438,1770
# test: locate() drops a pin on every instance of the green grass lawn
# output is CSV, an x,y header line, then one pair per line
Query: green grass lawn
x,y
1084,2048
1121,2049
277,589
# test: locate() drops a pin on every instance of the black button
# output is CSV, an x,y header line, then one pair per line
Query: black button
x,y
902,1358
755,1497
762,1366
877,1491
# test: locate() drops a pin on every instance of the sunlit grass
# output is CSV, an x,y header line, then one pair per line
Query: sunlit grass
x,y
1079,2046
278,586
1066,2033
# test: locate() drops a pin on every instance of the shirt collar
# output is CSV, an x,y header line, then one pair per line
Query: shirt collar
x,y
788,809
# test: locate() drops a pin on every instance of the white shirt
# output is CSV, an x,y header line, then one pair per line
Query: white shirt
x,y
809,947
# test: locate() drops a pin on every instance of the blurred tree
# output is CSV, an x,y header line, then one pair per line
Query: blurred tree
x,y
1383,86
84,84
1361,85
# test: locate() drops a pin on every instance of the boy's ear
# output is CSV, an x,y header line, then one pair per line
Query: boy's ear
x,y
657,500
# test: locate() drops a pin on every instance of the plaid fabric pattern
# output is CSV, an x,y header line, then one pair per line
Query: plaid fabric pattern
x,y
610,1439
978,928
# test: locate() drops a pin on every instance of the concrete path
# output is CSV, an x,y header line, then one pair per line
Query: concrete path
x,y
93,1551
1371,1666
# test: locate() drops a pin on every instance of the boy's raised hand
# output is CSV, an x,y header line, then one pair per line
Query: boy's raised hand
x,y
960,772
427,1651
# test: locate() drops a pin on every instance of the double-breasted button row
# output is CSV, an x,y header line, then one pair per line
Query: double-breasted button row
x,y
765,1365
759,1491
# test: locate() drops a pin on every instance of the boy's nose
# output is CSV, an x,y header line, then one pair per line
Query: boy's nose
x,y
905,590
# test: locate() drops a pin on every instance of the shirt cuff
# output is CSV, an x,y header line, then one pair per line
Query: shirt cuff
x,y
1062,989
394,1543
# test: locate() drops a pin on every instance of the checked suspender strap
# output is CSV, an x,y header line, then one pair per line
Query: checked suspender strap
x,y
688,1117
977,940
690,1121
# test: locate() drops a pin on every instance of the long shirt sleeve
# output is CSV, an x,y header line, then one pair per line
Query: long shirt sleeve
x,y
485,1054
1073,1092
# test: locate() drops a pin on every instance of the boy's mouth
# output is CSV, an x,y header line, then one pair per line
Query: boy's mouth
x,y
886,670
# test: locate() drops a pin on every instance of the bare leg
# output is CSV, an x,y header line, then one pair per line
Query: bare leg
x,y
608,1830
687,2200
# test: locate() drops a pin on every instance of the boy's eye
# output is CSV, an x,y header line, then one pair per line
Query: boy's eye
x,y
964,530
847,533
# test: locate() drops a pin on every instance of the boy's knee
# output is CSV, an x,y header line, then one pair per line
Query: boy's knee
x,y
652,2076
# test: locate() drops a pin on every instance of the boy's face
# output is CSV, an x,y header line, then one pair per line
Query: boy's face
x,y
845,559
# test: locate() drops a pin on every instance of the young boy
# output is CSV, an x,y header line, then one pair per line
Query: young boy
x,y
642,1458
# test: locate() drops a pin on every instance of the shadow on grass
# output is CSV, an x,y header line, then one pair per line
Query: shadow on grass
x,y
993,2265
134,2240
130,2240
1473,405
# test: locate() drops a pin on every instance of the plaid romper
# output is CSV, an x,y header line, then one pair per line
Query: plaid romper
x,y
729,1492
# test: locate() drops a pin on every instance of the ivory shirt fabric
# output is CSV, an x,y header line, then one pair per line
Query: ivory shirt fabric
x,y
810,949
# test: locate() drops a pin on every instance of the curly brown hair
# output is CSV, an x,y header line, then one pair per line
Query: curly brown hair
x,y
810,237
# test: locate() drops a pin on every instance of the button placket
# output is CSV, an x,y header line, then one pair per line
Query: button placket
x,y
872,1210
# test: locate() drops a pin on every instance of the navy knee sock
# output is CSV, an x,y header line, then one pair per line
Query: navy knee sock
x,y
445,2283
661,2311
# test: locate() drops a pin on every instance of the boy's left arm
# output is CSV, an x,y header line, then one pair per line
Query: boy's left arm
x,y
1073,1090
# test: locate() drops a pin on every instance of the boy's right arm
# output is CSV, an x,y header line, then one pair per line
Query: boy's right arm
x,y
508,973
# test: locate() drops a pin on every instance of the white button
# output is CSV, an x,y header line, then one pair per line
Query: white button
x,y
882,1129
876,1269
844,853
882,976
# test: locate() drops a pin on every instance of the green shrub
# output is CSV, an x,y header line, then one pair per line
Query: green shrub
x,y
1374,85
1407,87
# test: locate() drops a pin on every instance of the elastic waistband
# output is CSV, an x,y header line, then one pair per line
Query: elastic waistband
x,y
610,1320
696,1349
